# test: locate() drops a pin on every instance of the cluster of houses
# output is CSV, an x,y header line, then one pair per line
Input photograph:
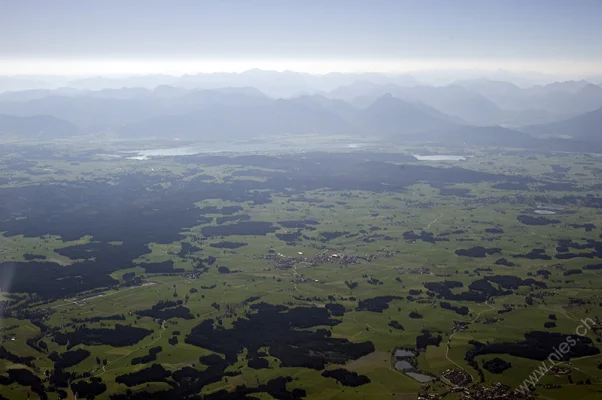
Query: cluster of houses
x,y
284,262
405,361
497,391
457,377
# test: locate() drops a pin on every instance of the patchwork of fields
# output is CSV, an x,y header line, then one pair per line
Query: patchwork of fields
x,y
298,275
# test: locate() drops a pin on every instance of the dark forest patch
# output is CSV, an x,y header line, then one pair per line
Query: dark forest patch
x,y
560,169
478,251
211,360
445,292
530,220
187,248
423,235
415,315
223,270
151,356
503,261
89,389
178,311
564,246
24,377
154,373
51,280
258,363
568,256
351,284
332,235
396,325
426,339
558,187
69,358
289,237
514,282
337,310
485,289
589,244
376,304
481,289
13,358
228,245
120,336
458,310
209,287
496,365
534,254
283,330
538,345
103,252
345,377
114,317
587,227
158,268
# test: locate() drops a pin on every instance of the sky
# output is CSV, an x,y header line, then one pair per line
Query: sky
x,y
188,36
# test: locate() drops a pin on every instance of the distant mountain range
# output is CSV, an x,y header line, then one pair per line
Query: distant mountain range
x,y
277,117
453,100
478,101
480,112
273,83
586,126
40,127
386,117
561,98
390,116
106,109
484,102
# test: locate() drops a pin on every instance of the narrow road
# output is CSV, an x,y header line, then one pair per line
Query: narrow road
x,y
479,314
447,353
452,361
433,221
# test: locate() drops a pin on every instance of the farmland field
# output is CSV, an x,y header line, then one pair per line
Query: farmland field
x,y
298,274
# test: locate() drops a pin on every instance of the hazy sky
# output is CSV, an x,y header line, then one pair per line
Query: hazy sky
x,y
126,36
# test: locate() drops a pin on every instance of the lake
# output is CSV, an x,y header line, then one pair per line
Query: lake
x,y
439,157
241,147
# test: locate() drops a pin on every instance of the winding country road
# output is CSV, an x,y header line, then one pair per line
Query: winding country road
x,y
433,221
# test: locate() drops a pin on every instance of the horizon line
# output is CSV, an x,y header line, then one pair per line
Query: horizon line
x,y
131,68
